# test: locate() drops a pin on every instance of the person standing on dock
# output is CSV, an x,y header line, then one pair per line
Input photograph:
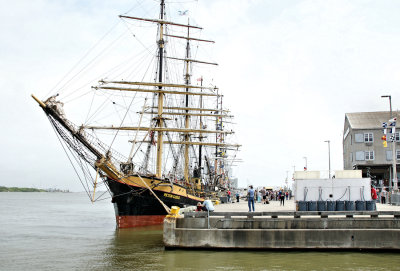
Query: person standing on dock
x,y
264,195
282,197
374,196
383,196
250,196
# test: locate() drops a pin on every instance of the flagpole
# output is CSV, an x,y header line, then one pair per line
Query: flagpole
x,y
329,154
305,168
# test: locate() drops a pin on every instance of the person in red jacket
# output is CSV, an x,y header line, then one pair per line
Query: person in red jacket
x,y
373,193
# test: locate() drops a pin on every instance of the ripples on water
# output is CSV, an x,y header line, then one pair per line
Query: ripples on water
x,y
65,231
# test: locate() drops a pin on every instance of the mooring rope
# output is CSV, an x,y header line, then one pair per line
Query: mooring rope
x,y
154,194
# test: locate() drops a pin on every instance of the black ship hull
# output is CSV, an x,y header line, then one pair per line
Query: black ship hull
x,y
136,206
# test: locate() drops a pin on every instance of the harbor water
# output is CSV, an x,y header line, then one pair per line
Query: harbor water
x,y
65,231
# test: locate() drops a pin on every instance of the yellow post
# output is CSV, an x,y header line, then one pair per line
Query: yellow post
x,y
174,212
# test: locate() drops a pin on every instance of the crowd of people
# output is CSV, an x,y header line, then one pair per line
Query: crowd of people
x,y
262,195
379,195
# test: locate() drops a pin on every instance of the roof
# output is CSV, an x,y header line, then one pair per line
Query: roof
x,y
370,120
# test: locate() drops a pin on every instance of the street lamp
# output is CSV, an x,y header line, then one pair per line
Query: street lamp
x,y
390,103
393,150
329,154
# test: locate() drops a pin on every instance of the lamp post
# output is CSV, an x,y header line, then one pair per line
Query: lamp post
x,y
394,174
329,155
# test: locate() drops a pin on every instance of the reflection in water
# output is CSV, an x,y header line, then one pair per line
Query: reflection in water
x,y
135,249
267,260
142,249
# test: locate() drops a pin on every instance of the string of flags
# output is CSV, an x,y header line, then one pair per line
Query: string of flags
x,y
391,128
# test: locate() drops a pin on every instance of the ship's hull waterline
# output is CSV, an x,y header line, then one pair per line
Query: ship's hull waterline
x,y
136,206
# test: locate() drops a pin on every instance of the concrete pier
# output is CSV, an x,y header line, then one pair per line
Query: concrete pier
x,y
279,227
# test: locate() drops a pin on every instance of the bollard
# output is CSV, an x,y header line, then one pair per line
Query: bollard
x,y
339,205
312,205
302,206
349,205
321,205
370,205
360,205
331,206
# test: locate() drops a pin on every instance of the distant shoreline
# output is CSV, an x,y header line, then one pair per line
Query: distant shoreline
x,y
26,189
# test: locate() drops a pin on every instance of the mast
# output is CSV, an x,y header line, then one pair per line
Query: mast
x,y
187,82
222,160
201,127
216,148
160,120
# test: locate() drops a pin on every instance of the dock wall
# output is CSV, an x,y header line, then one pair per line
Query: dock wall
x,y
362,230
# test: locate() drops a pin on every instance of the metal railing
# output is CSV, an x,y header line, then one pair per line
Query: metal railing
x,y
296,214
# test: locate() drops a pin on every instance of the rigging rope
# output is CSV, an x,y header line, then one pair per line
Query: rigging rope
x,y
58,136
90,62
123,119
154,194
82,58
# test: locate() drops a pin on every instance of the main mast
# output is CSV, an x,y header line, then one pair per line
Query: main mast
x,y
160,120
187,120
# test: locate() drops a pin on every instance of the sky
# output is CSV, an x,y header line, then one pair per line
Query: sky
x,y
289,71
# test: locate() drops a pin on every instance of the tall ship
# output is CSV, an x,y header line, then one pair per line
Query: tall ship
x,y
155,136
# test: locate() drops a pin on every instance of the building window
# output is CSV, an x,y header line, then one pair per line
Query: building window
x,y
360,156
368,137
397,154
359,138
389,155
397,136
369,155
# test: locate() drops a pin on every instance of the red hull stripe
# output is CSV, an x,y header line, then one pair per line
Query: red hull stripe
x,y
132,221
